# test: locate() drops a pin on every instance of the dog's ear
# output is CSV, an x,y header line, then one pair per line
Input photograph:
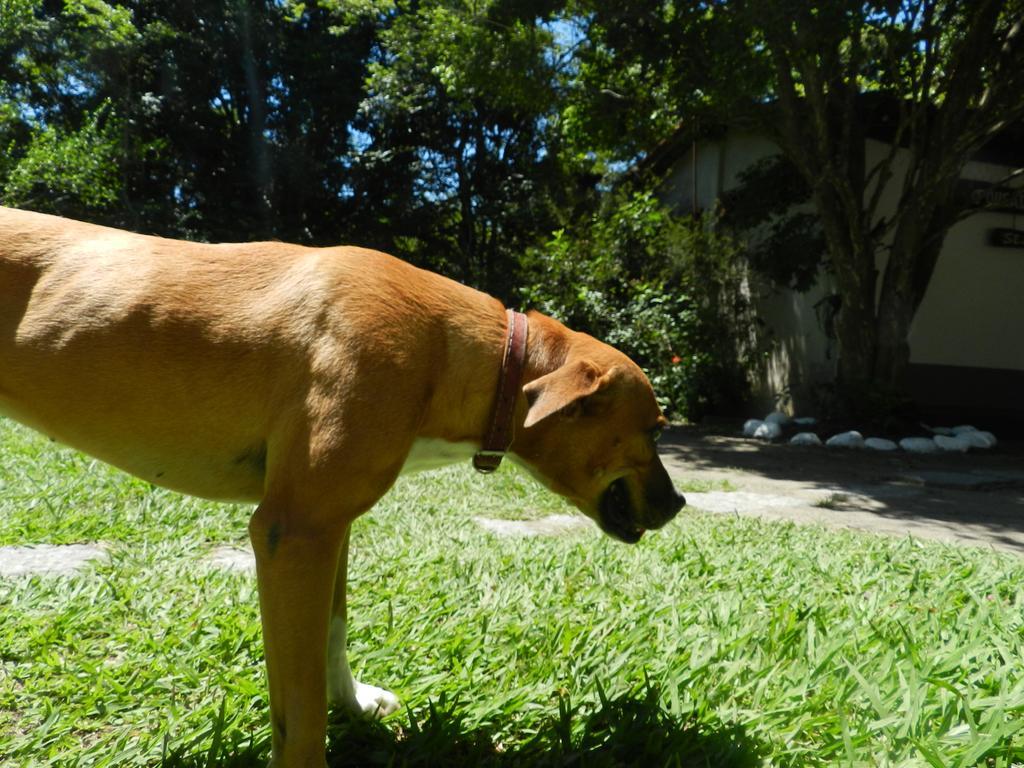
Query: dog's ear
x,y
564,390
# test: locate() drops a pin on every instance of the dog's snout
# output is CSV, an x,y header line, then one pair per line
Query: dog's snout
x,y
673,503
663,504
678,503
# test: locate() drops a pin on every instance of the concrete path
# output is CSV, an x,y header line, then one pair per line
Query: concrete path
x,y
975,498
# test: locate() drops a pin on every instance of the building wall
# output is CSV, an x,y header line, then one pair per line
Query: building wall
x,y
968,335
973,314
974,307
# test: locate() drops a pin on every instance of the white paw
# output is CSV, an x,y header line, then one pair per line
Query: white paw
x,y
374,702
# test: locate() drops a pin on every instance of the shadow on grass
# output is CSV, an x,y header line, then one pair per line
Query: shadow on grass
x,y
625,731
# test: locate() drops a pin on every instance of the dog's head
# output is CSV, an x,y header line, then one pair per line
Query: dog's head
x,y
590,434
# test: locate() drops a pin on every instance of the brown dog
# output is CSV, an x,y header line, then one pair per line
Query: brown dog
x,y
306,380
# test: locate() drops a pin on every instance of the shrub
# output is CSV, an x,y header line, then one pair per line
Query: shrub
x,y
665,289
67,172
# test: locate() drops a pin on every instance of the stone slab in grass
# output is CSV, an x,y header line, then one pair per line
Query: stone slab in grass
x,y
552,525
48,559
232,559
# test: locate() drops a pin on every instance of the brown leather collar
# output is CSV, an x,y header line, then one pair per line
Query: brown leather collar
x,y
499,436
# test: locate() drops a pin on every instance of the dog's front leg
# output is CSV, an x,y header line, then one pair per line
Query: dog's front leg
x,y
296,562
343,690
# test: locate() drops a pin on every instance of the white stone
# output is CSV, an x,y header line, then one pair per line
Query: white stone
x,y
963,428
777,417
805,421
956,443
978,439
939,430
805,438
919,445
750,427
952,443
880,444
851,439
768,430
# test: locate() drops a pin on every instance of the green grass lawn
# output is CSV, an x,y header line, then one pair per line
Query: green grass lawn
x,y
719,641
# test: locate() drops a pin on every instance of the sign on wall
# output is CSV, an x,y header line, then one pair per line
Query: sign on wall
x,y
981,194
1001,237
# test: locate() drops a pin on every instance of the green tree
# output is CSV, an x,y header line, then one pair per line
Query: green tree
x,y
228,120
458,165
60,150
423,128
70,173
948,74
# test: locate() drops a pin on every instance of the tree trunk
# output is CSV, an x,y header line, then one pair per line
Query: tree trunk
x,y
915,252
858,346
874,348
852,260
893,346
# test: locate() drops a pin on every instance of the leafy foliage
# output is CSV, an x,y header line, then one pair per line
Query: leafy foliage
x,y
664,289
786,246
459,168
67,173
233,119
15,16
